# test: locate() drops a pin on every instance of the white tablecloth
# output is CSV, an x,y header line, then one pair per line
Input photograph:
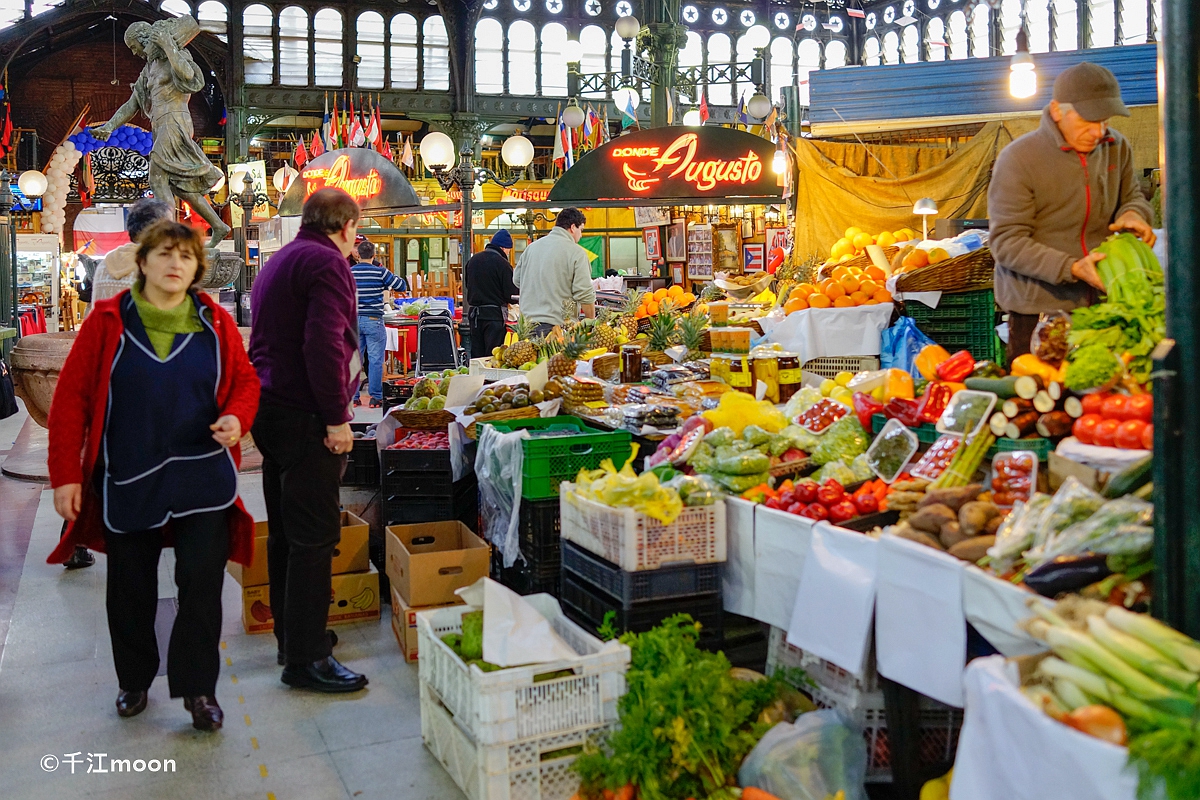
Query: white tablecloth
x,y
781,544
995,606
738,577
820,332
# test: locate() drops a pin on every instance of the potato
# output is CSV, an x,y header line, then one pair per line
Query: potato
x,y
920,537
974,517
931,518
951,534
955,497
994,525
973,549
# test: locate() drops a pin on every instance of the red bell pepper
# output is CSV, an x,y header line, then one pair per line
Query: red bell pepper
x,y
934,401
866,407
957,368
906,410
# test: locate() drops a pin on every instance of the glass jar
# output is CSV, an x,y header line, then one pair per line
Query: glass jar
x,y
718,368
789,376
631,363
741,375
766,369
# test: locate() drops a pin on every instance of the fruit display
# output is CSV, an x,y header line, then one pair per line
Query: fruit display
x,y
934,461
429,392
501,397
856,241
650,303
822,501
421,440
575,342
846,287
1116,420
820,416
663,327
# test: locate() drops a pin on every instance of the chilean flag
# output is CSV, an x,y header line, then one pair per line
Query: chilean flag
x,y
99,231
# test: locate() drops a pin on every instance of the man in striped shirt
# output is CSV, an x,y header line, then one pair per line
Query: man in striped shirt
x,y
375,285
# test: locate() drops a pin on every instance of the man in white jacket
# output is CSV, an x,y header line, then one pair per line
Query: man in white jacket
x,y
117,272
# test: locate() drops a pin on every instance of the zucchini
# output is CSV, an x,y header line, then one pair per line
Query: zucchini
x,y
1003,388
1130,479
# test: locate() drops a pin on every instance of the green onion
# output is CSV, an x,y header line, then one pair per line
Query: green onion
x,y
1136,709
1070,694
1141,655
1098,687
1166,640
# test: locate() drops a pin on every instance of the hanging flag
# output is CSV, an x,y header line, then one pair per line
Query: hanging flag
x,y
856,13
356,137
560,155
703,108
605,136
224,116
670,109
769,124
318,147
588,125
335,133
742,117
628,114
373,132
301,155
406,156
323,130
6,132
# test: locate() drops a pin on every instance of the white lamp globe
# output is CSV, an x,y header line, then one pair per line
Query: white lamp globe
x,y
573,51
779,162
32,183
437,150
283,177
692,119
572,115
628,27
517,151
758,37
626,97
216,187
237,181
1022,78
759,105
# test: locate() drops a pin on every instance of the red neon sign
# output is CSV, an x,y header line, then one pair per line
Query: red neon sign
x,y
338,176
679,158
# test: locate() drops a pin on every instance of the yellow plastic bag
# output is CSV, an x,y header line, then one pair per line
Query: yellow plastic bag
x,y
627,489
738,410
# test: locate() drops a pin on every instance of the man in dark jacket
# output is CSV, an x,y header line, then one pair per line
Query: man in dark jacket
x,y
489,290
305,348
1056,194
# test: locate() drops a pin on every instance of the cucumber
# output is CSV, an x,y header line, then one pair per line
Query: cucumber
x,y
1003,388
1130,479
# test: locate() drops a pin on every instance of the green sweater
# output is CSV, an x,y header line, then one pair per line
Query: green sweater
x,y
162,325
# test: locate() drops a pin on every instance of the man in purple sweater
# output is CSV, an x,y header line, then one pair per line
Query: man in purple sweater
x,y
305,348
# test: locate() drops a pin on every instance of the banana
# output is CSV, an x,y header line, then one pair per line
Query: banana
x,y
364,599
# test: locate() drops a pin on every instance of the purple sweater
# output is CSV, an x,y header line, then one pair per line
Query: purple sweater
x,y
305,332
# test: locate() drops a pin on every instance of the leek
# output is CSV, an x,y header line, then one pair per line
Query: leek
x,y
1162,638
1141,655
1145,715
1070,694
1096,686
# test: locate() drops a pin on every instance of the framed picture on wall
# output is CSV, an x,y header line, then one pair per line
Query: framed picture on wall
x,y
653,243
778,238
760,225
727,247
651,217
677,241
752,257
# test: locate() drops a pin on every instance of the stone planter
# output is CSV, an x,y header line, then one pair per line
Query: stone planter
x,y
36,361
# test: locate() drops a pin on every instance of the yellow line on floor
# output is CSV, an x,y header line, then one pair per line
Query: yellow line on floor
x,y
241,699
270,796
262,770
253,742
228,661
247,719
224,646
233,678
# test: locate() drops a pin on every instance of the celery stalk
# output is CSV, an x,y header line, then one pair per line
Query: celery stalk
x,y
1163,638
1141,655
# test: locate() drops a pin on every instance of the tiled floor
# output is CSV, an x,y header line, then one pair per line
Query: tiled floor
x,y
57,688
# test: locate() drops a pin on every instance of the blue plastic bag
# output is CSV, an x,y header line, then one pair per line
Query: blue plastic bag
x,y
900,344
819,755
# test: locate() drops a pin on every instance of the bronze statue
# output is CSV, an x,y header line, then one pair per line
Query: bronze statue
x,y
178,167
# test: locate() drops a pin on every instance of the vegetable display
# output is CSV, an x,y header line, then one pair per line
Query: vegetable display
x,y
1014,477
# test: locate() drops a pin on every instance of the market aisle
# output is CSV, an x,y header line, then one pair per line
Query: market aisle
x,y
57,688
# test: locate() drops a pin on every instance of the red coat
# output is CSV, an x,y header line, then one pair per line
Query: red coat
x,y
77,413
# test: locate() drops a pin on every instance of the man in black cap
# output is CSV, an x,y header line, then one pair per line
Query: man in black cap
x,y
488,277
1057,193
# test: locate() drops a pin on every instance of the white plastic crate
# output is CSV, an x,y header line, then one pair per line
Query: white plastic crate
x,y
634,541
537,768
478,366
830,366
510,704
834,680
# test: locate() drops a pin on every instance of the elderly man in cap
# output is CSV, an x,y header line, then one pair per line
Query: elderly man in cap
x,y
1057,193
488,276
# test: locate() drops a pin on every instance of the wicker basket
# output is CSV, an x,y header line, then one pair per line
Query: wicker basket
x,y
509,413
965,273
607,366
656,357
790,469
422,420
861,262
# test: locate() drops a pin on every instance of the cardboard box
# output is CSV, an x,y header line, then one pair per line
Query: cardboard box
x,y
256,573
1062,468
351,553
428,561
404,625
355,598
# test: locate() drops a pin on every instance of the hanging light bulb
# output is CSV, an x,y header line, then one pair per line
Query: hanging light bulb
x,y
779,162
1022,77
626,97
692,118
572,115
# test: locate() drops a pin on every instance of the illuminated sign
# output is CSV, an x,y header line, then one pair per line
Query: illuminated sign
x,y
671,163
372,180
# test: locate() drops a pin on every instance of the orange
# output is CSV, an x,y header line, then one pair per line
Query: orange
x,y
832,288
805,289
875,273
850,284
915,260
853,231
688,298
843,302
862,240
660,294
840,248
838,272
859,297
885,239
901,235
869,287
870,301
651,308
675,291
883,296
845,258
795,304
818,300
639,314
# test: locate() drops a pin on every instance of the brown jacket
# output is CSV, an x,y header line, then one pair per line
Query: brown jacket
x,y
1049,206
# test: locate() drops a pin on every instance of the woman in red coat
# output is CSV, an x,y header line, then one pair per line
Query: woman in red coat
x,y
144,430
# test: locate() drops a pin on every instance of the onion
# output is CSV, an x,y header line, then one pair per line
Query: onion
x,y
1098,721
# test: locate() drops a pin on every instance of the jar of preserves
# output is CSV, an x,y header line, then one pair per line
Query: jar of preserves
x,y
718,368
766,369
741,375
631,363
789,376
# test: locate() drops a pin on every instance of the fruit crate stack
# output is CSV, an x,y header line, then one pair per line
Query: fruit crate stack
x,y
514,733
417,485
558,447
961,321
537,569
362,467
620,560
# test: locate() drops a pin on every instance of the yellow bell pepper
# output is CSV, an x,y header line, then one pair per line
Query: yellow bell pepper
x,y
898,384
928,359
1032,366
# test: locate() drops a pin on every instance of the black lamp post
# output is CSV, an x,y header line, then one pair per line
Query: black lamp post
x,y
8,268
249,198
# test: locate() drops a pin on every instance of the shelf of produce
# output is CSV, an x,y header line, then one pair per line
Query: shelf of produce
x,y
550,460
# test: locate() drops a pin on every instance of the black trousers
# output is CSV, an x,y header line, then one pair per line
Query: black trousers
x,y
301,486
487,330
193,657
1020,332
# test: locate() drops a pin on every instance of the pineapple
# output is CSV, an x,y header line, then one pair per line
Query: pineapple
x,y
521,351
662,328
570,314
603,335
691,333
710,293
633,301
562,364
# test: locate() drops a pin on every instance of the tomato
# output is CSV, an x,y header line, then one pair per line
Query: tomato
x,y
1129,434
1148,437
830,492
1114,407
774,502
815,511
796,508
1140,406
805,490
1092,403
1106,432
843,511
787,497
866,503
1085,427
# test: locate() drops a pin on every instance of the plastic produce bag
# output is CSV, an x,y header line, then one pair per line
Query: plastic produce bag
x,y
900,344
499,462
836,470
843,440
861,469
814,758
1073,502
801,438
1049,340
1121,526
738,410
627,489
802,401
1015,534
744,463
695,490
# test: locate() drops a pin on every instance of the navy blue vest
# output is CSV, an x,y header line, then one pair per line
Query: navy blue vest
x,y
159,455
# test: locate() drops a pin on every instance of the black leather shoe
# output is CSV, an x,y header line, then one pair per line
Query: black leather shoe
x,y
282,661
130,704
80,558
327,675
206,714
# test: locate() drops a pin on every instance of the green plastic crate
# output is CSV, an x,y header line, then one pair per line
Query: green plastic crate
x,y
926,434
550,461
1043,447
962,321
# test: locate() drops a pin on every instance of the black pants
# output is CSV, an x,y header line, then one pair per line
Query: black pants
x,y
193,658
487,330
1020,331
301,487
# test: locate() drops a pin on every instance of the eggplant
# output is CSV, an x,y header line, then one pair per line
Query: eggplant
x,y
1067,574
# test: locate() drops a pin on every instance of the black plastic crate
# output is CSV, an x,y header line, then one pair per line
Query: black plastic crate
x,y
627,588
462,503
526,576
587,605
362,468
419,484
538,530
401,462
396,393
